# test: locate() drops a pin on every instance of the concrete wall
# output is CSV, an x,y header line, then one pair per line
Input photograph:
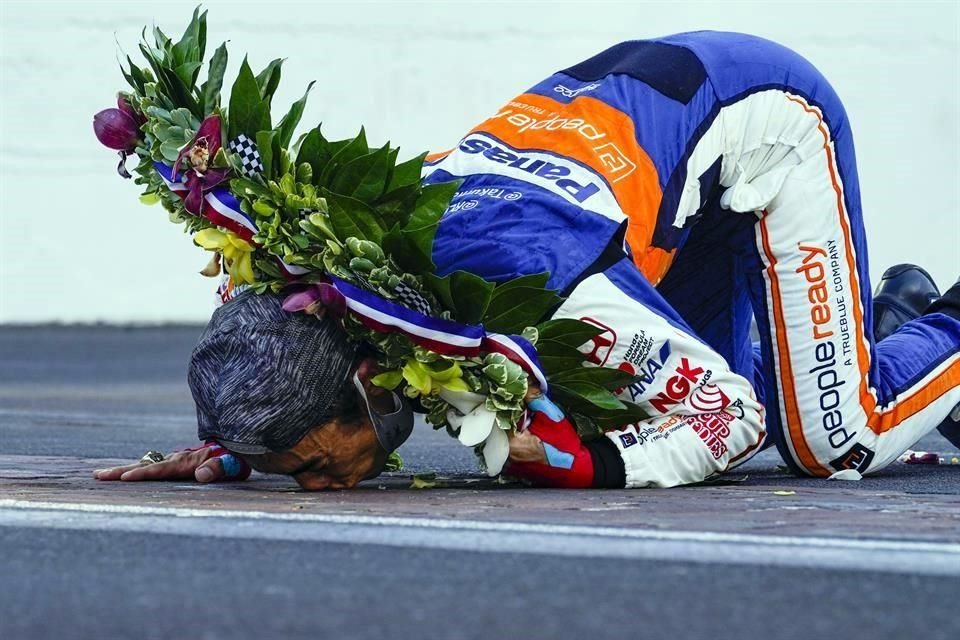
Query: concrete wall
x,y
76,245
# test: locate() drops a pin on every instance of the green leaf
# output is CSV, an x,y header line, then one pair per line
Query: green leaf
x,y
521,308
281,161
394,462
268,80
605,377
391,165
365,177
431,205
568,330
397,205
585,391
471,296
242,185
555,365
343,152
406,253
270,268
314,150
170,151
170,85
248,112
163,43
425,481
187,73
524,294
134,77
536,280
211,88
557,349
353,218
202,36
265,140
407,173
192,42
389,379
290,121
587,428
440,288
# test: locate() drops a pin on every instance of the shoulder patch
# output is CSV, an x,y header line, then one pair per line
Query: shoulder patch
x,y
674,71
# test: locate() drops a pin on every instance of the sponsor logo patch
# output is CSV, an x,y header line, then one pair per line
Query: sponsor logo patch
x,y
857,457
628,440
713,429
813,268
555,173
599,347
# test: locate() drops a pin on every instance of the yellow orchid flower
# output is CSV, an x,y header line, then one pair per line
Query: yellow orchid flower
x,y
417,377
235,250
427,380
150,198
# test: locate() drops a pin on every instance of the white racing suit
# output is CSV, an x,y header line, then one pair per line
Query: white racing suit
x,y
674,189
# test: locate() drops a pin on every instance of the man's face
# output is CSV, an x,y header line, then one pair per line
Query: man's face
x,y
335,455
339,453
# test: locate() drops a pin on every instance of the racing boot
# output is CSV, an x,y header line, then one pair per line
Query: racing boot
x,y
904,293
949,303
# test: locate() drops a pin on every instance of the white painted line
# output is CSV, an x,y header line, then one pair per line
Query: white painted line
x,y
913,557
99,419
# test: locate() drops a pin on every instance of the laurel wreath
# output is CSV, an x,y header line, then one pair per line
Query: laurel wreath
x,y
346,209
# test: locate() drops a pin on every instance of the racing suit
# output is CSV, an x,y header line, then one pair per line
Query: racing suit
x,y
674,189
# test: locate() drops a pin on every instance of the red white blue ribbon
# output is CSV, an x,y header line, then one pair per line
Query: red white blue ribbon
x,y
222,209
436,334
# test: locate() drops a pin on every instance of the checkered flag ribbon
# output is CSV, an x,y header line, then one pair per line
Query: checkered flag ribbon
x,y
251,163
412,300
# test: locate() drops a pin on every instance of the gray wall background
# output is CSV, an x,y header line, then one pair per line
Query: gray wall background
x,y
75,245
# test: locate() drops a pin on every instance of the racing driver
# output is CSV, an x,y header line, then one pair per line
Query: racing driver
x,y
675,189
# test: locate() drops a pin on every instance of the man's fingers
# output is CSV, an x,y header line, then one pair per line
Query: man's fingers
x,y
114,473
210,471
176,468
204,464
526,447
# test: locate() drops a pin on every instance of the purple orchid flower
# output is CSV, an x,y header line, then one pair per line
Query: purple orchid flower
x,y
119,129
326,295
201,178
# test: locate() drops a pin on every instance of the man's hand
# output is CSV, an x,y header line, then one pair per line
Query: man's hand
x,y
207,463
550,454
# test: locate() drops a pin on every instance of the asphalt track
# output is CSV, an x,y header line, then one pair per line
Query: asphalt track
x,y
758,554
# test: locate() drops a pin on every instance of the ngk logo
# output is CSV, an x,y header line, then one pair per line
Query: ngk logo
x,y
679,385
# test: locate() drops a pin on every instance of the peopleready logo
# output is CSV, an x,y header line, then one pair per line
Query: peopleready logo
x,y
823,341
549,171
617,165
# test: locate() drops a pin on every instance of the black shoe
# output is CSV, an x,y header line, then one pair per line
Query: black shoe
x,y
904,293
950,427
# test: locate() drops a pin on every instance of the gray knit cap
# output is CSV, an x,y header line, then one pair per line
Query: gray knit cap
x,y
262,377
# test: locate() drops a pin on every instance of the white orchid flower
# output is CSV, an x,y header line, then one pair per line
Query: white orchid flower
x,y
454,419
476,426
463,401
496,450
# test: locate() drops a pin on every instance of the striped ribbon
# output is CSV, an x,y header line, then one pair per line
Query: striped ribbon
x,y
222,209
436,334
